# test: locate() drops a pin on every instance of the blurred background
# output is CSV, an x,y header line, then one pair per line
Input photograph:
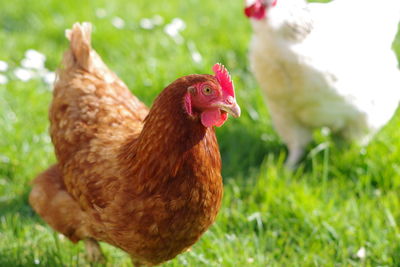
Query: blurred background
x,y
340,207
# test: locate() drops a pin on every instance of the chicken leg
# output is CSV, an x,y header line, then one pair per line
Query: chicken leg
x,y
295,135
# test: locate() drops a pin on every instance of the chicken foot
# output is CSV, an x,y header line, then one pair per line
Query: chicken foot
x,y
93,251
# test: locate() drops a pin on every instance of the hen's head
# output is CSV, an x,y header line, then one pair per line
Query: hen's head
x,y
212,98
257,9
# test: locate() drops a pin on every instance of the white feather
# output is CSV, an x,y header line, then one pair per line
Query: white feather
x,y
327,65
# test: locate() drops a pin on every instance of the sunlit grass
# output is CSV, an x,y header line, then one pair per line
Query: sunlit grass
x,y
339,201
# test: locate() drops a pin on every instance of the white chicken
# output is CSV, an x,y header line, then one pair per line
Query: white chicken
x,y
325,65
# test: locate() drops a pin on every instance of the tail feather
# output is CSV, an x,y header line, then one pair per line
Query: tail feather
x,y
80,45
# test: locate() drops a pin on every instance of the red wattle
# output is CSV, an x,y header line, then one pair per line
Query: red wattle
x,y
256,10
213,117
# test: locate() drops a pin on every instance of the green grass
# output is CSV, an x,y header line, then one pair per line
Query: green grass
x,y
339,200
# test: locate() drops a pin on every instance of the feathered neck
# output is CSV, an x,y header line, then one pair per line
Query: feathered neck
x,y
169,137
288,20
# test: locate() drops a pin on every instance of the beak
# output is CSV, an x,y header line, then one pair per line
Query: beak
x,y
232,109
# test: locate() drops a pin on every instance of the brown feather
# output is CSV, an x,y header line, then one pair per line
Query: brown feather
x,y
148,182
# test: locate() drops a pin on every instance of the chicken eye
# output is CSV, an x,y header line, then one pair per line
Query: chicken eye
x,y
207,90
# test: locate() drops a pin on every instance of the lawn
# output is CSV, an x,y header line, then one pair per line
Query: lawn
x,y
340,208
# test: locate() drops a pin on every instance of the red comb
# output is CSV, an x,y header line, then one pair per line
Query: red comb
x,y
224,79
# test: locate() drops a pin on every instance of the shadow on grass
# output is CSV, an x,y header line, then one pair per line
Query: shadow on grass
x,y
18,205
22,256
243,149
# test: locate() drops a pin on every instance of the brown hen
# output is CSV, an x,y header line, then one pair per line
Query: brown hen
x,y
146,181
